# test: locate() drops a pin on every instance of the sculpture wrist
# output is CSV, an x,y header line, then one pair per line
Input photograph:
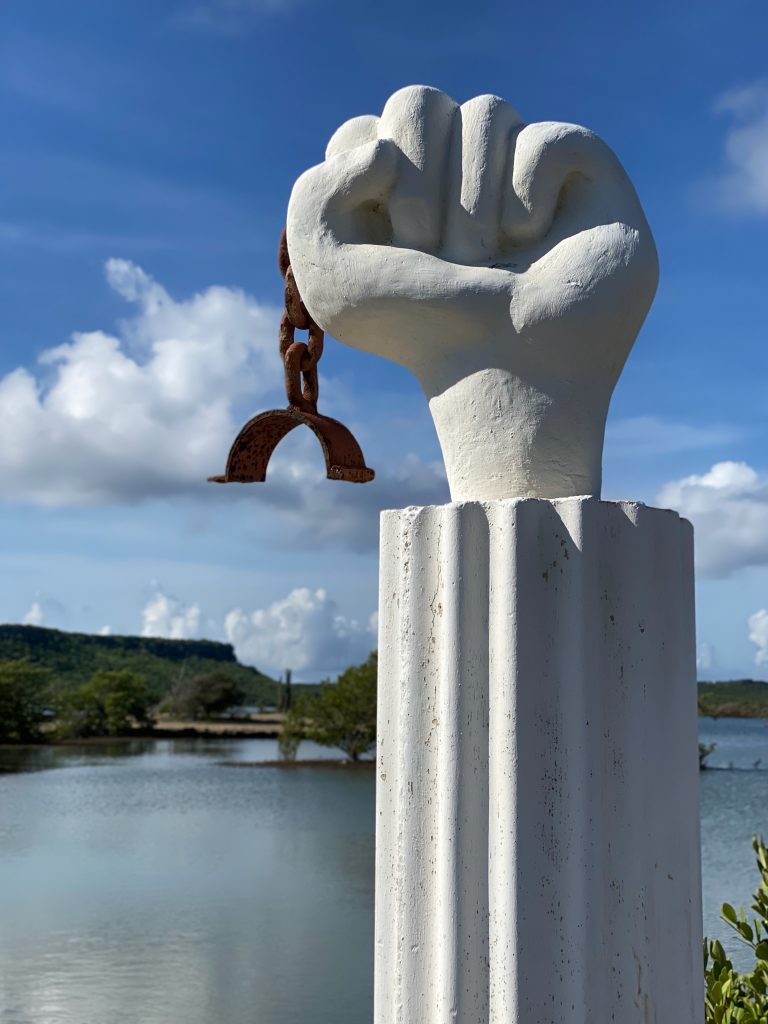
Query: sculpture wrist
x,y
505,437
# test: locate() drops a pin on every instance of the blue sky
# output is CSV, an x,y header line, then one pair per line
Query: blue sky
x,y
148,154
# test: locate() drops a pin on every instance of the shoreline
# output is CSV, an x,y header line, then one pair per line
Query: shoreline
x,y
317,762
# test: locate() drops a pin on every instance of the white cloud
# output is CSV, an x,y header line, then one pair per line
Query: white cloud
x,y
758,634
706,657
167,617
105,631
729,509
34,616
744,185
141,413
304,632
151,410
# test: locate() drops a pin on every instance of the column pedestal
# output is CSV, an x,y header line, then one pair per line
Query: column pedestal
x,y
537,852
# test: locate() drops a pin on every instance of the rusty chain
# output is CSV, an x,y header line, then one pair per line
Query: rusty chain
x,y
252,448
300,358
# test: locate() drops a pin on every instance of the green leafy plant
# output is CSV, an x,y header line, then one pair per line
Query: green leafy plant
x,y
733,997
23,700
342,714
109,704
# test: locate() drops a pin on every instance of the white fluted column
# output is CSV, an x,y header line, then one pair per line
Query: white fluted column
x,y
537,796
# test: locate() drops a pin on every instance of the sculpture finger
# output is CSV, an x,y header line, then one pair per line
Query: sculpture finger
x,y
478,169
548,160
419,120
353,133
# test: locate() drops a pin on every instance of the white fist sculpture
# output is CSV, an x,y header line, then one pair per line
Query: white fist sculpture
x,y
509,266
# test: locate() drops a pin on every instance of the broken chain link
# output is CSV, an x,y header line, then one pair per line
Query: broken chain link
x,y
252,448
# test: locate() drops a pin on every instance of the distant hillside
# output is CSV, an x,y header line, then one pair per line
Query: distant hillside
x,y
74,657
741,698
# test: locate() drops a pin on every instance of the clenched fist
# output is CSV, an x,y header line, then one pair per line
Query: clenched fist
x,y
509,266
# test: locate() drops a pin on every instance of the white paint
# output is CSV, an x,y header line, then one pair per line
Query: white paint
x,y
537,805
509,266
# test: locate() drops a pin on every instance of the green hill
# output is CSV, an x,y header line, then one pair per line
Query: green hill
x,y
73,658
741,698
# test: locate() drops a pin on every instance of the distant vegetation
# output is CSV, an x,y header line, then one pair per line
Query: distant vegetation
x,y
198,697
71,685
341,714
73,658
743,698
24,689
109,704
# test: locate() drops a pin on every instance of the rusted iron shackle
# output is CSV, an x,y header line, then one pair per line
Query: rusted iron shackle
x,y
252,448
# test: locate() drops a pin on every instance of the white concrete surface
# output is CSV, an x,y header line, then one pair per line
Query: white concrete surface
x,y
537,797
509,266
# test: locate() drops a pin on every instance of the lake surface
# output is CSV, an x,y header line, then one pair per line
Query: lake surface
x,y
147,884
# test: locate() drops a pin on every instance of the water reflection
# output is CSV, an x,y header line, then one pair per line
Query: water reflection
x,y
147,883
160,887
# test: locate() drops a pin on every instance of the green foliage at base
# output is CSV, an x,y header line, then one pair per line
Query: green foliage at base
x,y
342,714
731,997
109,704
23,701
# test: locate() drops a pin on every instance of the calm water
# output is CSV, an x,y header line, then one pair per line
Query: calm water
x,y
149,885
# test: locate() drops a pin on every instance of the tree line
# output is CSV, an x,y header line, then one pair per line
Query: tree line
x,y
35,707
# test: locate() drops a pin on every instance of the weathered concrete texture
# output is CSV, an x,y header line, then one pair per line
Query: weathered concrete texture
x,y
538,830
508,266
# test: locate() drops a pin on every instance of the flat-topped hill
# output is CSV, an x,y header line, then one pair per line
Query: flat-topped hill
x,y
73,658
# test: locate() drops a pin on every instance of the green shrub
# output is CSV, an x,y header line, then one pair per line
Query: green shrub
x,y
109,704
732,997
23,700
342,714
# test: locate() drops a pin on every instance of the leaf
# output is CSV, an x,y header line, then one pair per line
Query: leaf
x,y
729,913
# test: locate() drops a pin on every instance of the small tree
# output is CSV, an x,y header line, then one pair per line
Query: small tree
x,y
23,691
343,714
205,695
705,749
291,735
110,703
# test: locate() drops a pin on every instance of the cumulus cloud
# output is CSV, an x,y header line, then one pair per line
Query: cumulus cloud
x,y
729,509
35,616
151,410
144,412
744,184
304,632
167,617
706,657
758,634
